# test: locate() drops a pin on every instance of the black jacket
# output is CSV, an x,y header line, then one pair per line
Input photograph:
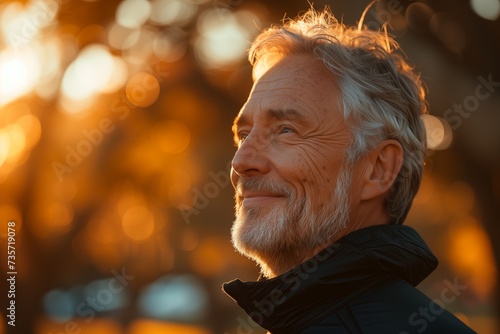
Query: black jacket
x,y
363,283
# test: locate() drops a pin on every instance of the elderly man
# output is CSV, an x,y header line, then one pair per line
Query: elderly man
x,y
330,154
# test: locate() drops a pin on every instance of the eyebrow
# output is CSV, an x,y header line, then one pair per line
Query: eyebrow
x,y
277,114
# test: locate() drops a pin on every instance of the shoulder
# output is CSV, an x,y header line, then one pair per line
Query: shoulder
x,y
396,307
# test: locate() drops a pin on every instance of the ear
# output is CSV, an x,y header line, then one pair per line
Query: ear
x,y
383,166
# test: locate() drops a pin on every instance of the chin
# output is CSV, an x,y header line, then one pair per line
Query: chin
x,y
272,238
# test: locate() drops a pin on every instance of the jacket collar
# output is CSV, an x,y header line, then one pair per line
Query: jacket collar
x,y
355,263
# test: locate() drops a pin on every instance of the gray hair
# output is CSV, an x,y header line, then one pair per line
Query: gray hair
x,y
382,97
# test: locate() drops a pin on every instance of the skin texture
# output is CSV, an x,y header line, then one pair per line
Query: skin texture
x,y
289,169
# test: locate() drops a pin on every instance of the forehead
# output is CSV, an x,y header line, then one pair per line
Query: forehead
x,y
299,83
299,73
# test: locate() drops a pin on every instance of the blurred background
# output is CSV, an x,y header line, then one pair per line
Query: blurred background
x,y
115,145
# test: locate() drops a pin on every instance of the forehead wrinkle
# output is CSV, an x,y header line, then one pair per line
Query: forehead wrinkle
x,y
295,91
298,84
293,95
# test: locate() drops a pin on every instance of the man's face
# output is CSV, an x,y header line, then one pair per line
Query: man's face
x,y
291,190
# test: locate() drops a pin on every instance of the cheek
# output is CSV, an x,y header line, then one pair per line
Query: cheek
x,y
357,180
315,171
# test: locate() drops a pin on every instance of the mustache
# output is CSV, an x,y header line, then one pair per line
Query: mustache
x,y
260,184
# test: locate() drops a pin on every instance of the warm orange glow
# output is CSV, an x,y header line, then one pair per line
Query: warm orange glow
x,y
471,255
206,259
16,140
425,192
142,89
462,318
138,223
65,190
459,198
94,71
127,199
144,158
96,326
156,327
8,213
196,111
31,128
103,230
173,188
12,143
190,239
171,136
179,194
20,134
103,256
47,218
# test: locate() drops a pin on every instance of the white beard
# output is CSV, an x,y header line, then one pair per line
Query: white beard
x,y
282,237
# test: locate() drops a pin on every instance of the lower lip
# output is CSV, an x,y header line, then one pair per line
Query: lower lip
x,y
258,200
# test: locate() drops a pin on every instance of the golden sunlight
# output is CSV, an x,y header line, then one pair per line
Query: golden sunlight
x,y
19,72
222,40
94,71
439,134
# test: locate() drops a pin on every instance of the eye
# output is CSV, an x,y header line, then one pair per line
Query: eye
x,y
241,137
285,129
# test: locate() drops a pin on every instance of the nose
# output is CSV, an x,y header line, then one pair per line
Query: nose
x,y
251,158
